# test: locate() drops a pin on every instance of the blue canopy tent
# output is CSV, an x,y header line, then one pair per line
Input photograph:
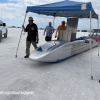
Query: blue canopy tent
x,y
65,9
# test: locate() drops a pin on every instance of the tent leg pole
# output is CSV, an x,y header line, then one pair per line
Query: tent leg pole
x,y
20,35
91,47
53,25
53,22
98,34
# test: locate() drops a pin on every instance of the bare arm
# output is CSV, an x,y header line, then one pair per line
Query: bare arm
x,y
44,32
95,38
53,32
56,33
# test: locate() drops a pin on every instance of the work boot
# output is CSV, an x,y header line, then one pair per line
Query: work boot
x,y
26,56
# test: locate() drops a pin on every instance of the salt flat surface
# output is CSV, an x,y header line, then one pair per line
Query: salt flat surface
x,y
66,80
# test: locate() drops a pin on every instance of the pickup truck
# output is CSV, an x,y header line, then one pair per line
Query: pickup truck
x,y
3,30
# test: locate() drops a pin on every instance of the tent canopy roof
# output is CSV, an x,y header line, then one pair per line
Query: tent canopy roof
x,y
65,9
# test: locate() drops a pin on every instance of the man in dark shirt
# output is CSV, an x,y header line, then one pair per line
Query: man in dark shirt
x,y
32,36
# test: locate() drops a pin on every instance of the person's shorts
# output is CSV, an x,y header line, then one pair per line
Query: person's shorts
x,y
47,38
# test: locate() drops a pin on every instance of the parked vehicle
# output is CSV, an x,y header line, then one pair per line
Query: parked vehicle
x,y
95,30
84,31
3,30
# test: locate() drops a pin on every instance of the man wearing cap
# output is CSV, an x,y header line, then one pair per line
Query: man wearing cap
x,y
61,27
32,36
49,31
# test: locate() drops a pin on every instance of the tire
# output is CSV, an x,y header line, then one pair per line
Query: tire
x,y
5,35
0,38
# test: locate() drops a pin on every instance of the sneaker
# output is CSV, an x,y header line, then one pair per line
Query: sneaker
x,y
26,56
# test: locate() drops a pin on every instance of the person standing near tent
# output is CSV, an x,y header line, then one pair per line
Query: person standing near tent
x,y
49,31
61,27
32,35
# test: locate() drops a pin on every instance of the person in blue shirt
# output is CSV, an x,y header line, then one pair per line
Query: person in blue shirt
x,y
49,31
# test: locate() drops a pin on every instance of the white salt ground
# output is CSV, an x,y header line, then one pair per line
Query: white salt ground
x,y
67,80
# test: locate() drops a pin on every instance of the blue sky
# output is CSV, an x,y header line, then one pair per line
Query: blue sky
x,y
13,12
8,1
